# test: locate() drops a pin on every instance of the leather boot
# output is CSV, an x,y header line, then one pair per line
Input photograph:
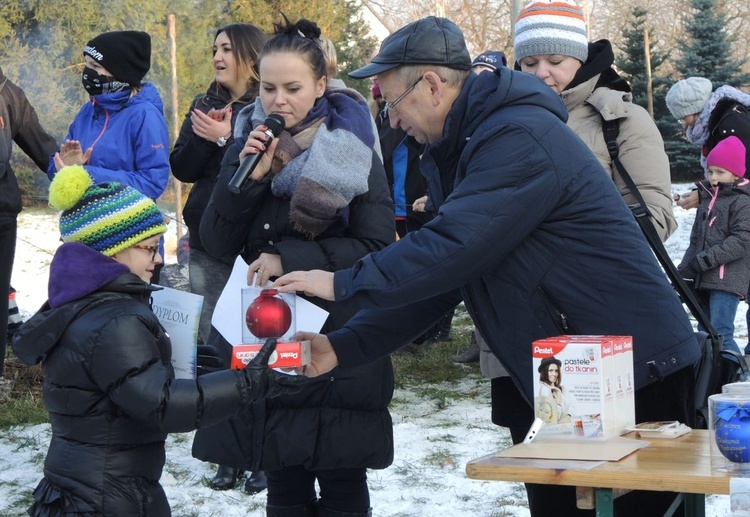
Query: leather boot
x,y
298,510
256,482
327,512
225,478
470,355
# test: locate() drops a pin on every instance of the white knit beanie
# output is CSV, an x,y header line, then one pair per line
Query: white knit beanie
x,y
551,27
687,97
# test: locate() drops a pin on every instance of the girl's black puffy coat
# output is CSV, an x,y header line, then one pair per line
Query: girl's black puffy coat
x,y
110,391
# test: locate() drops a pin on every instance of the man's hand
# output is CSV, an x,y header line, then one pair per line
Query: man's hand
x,y
313,283
324,358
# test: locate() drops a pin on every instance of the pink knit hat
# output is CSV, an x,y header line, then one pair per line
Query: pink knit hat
x,y
729,154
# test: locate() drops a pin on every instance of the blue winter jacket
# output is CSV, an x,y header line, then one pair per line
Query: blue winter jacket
x,y
530,232
130,139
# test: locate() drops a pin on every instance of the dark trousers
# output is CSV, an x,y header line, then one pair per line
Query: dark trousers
x,y
670,399
343,490
8,230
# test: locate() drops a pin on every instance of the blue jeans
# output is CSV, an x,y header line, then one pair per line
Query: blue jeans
x,y
722,308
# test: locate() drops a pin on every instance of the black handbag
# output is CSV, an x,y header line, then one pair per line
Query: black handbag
x,y
715,367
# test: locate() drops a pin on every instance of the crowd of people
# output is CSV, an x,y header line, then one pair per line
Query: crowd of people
x,y
387,212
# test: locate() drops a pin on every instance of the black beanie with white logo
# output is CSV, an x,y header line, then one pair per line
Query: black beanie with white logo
x,y
125,54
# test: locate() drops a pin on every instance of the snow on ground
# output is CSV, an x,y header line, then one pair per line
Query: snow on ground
x,y
433,441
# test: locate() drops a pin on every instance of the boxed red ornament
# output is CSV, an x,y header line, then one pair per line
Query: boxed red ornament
x,y
267,313
290,354
583,385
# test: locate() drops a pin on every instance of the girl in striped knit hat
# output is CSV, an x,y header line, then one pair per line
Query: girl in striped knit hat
x,y
109,385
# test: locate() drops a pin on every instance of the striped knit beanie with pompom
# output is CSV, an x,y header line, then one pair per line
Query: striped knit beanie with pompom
x,y
108,217
551,27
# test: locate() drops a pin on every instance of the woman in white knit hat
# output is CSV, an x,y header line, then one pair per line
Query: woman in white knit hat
x,y
551,42
708,118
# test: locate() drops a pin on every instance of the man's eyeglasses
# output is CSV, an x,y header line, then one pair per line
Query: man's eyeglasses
x,y
391,106
152,249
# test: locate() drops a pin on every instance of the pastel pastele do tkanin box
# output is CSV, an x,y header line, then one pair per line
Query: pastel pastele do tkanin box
x,y
289,354
583,385
266,313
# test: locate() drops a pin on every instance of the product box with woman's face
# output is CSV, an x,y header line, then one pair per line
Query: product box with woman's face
x,y
583,385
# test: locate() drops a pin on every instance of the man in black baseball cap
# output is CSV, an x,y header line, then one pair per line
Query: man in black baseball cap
x,y
531,233
424,58
429,41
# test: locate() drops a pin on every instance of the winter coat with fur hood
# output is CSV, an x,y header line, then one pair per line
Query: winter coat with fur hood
x,y
597,93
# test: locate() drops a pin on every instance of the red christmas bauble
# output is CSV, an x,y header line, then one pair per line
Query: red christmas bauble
x,y
269,315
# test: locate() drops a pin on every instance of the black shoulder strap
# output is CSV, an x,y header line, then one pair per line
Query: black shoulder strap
x,y
642,217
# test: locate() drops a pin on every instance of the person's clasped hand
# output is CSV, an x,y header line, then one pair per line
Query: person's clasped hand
x,y
264,382
71,153
212,125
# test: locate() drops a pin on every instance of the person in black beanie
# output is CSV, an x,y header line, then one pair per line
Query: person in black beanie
x,y
121,134
126,54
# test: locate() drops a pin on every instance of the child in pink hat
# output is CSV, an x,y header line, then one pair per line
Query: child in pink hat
x,y
718,257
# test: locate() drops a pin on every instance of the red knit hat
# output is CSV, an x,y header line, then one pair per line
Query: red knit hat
x,y
729,154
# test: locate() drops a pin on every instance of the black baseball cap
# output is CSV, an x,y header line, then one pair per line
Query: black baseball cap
x,y
429,41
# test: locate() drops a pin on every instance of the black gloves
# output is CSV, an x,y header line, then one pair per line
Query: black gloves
x,y
266,382
208,360
695,266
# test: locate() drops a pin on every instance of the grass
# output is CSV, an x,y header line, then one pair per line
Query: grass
x,y
23,404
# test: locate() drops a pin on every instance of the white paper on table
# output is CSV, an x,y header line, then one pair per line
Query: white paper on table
x,y
228,318
179,313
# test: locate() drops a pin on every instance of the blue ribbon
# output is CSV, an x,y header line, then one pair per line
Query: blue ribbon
x,y
728,413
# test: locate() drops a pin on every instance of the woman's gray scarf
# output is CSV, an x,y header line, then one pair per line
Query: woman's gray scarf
x,y
326,163
699,133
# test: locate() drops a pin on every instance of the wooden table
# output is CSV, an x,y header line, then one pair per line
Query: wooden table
x,y
673,465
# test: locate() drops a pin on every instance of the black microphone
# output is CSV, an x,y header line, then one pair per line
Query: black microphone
x,y
274,125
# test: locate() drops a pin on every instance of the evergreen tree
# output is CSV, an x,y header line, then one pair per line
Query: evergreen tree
x,y
707,48
633,65
632,61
